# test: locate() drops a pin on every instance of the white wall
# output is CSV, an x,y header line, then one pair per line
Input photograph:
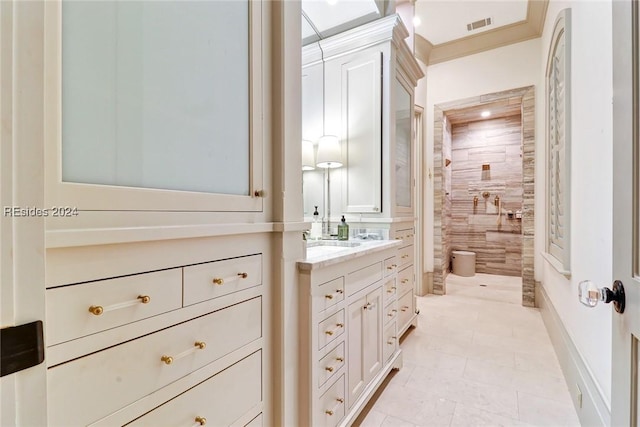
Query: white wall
x,y
591,184
496,70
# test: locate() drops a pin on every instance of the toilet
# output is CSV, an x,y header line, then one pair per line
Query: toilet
x,y
464,263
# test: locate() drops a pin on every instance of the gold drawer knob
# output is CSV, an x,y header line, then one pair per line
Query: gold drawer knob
x,y
328,296
405,256
333,410
329,368
392,266
340,359
392,312
405,280
98,310
201,421
340,291
198,345
405,308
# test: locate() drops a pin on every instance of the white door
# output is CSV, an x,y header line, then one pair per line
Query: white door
x,y
372,344
626,212
22,289
356,334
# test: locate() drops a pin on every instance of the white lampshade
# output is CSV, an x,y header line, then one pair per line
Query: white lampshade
x,y
329,155
308,164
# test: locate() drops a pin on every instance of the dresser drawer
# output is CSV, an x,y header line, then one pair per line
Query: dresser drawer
x,y
330,364
329,294
219,401
84,309
330,408
103,382
330,329
390,312
406,255
405,280
405,312
389,341
215,279
389,290
390,265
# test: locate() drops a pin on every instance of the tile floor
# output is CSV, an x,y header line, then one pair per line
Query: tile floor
x,y
477,358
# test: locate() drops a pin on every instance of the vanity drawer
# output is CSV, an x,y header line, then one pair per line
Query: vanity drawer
x,y
219,401
389,290
215,279
406,255
389,342
406,235
390,265
329,294
405,280
84,309
103,382
390,312
360,279
330,364
405,312
330,408
330,329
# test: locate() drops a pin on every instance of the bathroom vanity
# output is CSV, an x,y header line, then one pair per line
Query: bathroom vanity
x,y
348,327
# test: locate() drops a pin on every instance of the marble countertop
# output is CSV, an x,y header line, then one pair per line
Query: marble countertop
x,y
324,253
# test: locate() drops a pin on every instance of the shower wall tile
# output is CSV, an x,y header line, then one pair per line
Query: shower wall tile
x,y
496,241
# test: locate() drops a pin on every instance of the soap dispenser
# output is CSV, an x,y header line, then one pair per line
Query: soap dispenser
x,y
343,230
316,226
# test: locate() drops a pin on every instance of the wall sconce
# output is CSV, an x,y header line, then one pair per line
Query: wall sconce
x,y
308,162
329,157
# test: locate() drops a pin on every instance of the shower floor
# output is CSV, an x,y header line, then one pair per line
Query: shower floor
x,y
491,287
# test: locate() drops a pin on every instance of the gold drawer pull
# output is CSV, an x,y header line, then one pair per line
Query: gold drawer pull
x,y
408,236
331,368
405,256
399,238
392,266
198,345
391,340
335,408
221,281
329,296
391,290
392,313
97,310
405,308
339,291
335,330
200,421
405,281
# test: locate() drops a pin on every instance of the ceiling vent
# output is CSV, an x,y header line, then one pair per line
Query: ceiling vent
x,y
479,24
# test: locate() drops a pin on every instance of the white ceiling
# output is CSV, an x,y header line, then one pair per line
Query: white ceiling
x,y
446,20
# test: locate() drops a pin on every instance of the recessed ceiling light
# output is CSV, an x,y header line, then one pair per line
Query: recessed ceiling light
x,y
417,21
485,114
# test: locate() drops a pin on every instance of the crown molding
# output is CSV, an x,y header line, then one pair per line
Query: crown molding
x,y
390,28
528,29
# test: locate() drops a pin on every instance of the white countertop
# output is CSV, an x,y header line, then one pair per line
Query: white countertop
x,y
323,253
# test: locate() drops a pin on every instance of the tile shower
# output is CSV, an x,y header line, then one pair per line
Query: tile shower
x,y
484,193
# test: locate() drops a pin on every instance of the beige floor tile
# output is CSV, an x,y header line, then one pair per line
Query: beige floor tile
x,y
465,416
545,412
476,360
373,419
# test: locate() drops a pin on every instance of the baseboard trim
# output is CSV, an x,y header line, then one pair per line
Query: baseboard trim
x,y
595,410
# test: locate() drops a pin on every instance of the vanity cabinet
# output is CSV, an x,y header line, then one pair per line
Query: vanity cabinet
x,y
343,327
365,335
369,76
